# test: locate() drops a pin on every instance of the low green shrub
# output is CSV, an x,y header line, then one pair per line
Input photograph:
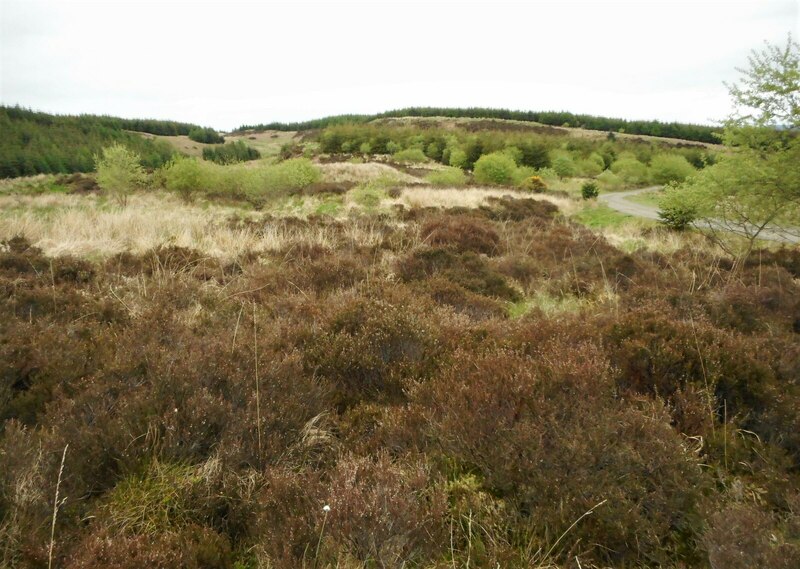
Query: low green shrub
x,y
457,158
666,168
495,168
448,177
609,180
564,166
184,176
631,171
677,217
589,190
410,155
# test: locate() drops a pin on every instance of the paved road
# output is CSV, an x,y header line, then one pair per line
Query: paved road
x,y
620,202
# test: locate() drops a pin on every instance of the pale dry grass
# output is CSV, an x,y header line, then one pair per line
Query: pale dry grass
x,y
428,196
338,172
630,237
84,226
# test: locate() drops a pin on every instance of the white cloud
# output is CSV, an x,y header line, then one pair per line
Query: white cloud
x,y
226,64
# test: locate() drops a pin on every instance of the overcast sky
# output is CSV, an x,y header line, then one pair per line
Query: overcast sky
x,y
228,63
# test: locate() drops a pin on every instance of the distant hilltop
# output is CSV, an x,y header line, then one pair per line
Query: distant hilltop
x,y
682,131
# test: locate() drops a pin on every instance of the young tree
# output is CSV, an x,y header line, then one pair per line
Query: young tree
x,y
769,90
119,172
754,188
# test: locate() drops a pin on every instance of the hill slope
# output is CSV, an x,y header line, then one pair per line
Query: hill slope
x,y
41,143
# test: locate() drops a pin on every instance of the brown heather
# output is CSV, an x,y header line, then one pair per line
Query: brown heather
x,y
468,387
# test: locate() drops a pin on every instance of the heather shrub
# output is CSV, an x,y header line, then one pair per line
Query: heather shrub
x,y
496,168
570,453
461,233
193,547
468,270
384,512
461,300
513,209
743,536
289,517
369,348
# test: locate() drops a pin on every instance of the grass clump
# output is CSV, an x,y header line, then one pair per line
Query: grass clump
x,y
154,501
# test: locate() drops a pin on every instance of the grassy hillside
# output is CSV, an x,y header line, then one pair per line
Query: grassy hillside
x,y
41,143
699,133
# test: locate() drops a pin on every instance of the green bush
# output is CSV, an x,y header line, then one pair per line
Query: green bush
x,y
564,166
206,136
514,153
610,180
410,155
534,154
293,174
119,172
451,177
589,190
458,158
666,168
631,171
677,217
183,175
495,168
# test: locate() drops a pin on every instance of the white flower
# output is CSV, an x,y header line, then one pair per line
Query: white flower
x,y
326,508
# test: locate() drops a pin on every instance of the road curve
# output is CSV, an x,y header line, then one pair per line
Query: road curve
x,y
619,201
